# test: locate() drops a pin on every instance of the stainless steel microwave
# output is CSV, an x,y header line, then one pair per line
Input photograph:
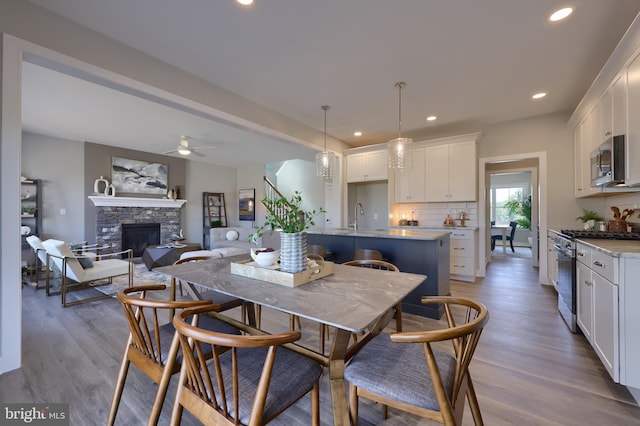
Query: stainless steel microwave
x,y
607,162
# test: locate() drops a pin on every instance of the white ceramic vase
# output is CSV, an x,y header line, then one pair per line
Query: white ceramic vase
x,y
293,252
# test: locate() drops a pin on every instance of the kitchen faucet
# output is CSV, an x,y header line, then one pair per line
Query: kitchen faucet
x,y
355,215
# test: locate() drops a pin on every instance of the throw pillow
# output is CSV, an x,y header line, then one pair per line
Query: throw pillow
x,y
85,262
232,235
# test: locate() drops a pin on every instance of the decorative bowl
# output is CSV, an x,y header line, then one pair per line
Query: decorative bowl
x,y
265,258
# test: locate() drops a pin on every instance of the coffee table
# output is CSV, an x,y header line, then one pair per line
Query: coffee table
x,y
166,254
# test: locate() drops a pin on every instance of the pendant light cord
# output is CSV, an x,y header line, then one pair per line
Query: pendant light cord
x,y
400,85
325,108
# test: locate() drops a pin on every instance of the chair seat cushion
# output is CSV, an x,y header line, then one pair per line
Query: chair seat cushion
x,y
293,375
106,268
399,371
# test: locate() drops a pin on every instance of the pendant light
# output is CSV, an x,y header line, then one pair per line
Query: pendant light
x,y
398,149
325,161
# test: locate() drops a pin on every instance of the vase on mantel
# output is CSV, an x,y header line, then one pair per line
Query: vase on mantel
x,y
293,252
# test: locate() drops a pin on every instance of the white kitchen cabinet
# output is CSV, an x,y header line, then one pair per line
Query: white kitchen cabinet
x,y
605,323
633,124
451,172
584,300
552,261
598,316
410,183
463,255
367,166
619,105
606,116
579,160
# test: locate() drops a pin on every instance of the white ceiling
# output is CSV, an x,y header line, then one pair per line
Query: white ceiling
x,y
472,63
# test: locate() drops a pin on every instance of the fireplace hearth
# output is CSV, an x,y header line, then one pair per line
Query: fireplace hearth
x,y
138,236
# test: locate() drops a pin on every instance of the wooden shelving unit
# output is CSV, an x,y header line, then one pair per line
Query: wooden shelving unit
x,y
214,214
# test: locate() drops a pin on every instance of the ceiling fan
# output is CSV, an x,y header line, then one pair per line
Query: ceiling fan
x,y
184,148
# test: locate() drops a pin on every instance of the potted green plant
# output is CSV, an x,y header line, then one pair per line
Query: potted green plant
x,y
288,216
590,218
519,208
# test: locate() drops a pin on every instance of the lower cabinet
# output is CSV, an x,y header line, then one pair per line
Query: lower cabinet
x,y
605,324
585,300
598,305
552,261
463,255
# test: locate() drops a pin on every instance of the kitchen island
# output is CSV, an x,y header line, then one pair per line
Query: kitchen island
x,y
421,252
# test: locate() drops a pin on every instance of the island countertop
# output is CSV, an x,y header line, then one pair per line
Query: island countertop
x,y
410,234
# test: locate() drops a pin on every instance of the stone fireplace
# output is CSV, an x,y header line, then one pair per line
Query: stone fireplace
x,y
114,212
139,236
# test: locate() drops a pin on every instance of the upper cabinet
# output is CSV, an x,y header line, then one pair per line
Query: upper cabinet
x,y
451,172
611,108
633,124
410,184
367,166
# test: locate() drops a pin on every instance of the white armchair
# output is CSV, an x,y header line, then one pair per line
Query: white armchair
x,y
40,256
84,270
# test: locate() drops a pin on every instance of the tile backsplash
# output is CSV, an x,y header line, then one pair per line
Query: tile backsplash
x,y
433,214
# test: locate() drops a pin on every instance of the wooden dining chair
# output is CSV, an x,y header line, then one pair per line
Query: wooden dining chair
x,y
384,266
367,254
405,371
226,302
251,383
152,346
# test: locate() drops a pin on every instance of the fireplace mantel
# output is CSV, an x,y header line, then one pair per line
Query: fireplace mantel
x,y
102,201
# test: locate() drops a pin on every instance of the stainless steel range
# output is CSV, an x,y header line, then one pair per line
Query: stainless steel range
x,y
565,247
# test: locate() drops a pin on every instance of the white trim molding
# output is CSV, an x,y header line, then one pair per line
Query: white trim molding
x,y
102,201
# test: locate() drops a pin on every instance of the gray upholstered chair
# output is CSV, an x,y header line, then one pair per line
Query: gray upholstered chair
x,y
260,378
404,370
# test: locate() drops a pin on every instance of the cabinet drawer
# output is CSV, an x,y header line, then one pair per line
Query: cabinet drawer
x,y
583,254
461,235
461,248
461,266
603,264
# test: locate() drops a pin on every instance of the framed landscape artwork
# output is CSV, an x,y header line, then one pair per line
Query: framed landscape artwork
x,y
246,201
133,176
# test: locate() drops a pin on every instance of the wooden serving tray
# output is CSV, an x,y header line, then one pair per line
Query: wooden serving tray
x,y
273,274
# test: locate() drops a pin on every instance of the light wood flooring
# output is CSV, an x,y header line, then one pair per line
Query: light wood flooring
x,y
528,368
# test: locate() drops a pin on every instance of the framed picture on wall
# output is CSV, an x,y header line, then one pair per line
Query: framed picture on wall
x,y
246,200
133,176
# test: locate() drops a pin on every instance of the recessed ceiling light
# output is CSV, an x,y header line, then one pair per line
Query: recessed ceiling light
x,y
245,2
431,118
539,95
560,14
358,133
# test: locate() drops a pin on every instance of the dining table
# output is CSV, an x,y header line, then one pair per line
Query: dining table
x,y
352,299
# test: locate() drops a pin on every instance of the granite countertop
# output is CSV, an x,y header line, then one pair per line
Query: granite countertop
x,y
411,234
615,248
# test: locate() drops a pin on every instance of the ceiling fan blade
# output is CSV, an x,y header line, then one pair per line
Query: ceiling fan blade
x,y
196,153
170,152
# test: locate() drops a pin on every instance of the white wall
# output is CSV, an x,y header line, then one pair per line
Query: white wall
x,y
547,133
59,163
202,177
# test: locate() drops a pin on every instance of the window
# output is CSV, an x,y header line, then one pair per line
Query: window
x,y
499,196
